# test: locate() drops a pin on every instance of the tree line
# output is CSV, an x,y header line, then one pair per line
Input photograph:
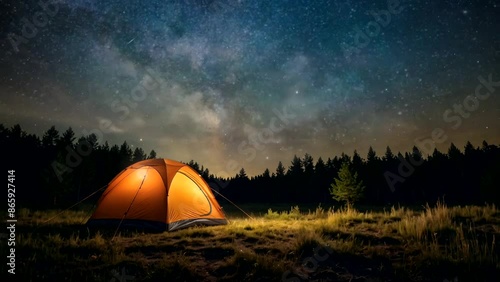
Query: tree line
x,y
58,169
468,176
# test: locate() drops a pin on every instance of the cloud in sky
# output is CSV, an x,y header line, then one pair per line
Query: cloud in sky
x,y
224,71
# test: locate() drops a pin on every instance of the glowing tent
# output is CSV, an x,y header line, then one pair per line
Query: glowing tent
x,y
157,194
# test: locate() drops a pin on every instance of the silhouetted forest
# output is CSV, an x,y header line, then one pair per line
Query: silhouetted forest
x,y
59,169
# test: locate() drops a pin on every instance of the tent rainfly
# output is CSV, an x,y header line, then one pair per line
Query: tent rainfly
x,y
159,195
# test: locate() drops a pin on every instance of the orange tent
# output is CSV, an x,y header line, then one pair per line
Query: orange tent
x,y
157,194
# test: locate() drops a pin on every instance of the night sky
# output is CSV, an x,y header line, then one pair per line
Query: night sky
x,y
244,83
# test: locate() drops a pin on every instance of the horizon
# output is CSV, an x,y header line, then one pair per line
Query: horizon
x,y
443,148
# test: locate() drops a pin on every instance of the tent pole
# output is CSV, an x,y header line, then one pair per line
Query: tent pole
x,y
128,209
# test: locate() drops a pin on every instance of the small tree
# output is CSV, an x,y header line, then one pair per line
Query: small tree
x,y
152,155
347,187
242,174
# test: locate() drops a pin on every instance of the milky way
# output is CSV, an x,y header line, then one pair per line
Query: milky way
x,y
236,84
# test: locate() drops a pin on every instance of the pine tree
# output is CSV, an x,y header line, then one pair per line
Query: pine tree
x,y
50,137
454,153
92,140
308,164
67,138
357,161
347,187
138,155
280,170
389,156
242,174
372,155
266,174
152,154
125,154
295,169
205,174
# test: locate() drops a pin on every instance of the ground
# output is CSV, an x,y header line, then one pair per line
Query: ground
x,y
278,243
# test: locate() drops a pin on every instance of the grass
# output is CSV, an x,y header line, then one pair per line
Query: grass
x,y
314,243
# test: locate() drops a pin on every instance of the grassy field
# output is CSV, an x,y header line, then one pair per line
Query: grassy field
x,y
286,243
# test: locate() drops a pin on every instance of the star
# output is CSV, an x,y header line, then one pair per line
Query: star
x,y
233,78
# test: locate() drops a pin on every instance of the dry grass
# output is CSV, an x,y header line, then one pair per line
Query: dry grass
x,y
337,244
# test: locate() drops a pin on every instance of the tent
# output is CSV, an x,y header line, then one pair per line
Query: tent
x,y
157,194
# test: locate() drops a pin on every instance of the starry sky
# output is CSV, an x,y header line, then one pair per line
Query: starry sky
x,y
240,83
